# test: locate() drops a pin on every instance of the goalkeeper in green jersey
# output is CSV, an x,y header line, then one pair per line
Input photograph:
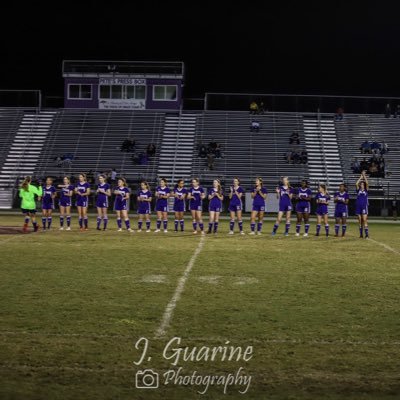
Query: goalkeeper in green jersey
x,y
28,194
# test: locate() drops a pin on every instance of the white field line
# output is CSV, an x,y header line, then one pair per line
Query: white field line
x,y
387,247
169,310
9,239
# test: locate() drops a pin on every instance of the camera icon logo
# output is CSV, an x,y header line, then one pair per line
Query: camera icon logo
x,y
146,379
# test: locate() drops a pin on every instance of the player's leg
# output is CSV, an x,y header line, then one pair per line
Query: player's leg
x,y
216,221
318,228
360,225
199,217
62,217
287,226
165,221
337,226
159,219
125,216
105,218
68,213
326,225
232,221
49,218
298,223
181,217
176,222
194,220
277,222
306,217
211,221
99,217
260,222
148,222
85,217
44,218
344,226
365,223
253,222
119,223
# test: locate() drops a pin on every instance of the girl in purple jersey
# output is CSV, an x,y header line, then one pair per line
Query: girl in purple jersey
x,y
215,197
341,200
162,195
65,202
196,196
103,193
121,204
144,206
284,193
48,196
259,195
362,204
303,207
235,206
322,198
180,194
82,190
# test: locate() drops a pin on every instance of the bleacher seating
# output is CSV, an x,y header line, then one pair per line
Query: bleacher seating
x,y
355,129
249,154
95,137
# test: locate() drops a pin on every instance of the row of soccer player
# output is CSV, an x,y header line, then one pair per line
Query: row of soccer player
x,y
195,194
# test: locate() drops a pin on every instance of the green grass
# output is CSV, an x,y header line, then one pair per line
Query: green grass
x,y
322,315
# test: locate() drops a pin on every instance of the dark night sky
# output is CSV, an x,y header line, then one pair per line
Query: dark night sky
x,y
291,47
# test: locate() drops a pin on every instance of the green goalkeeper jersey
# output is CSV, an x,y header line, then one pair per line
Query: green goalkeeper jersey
x,y
28,197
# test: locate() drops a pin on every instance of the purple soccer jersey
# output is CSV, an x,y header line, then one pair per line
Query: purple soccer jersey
x,y
235,203
121,200
215,203
341,209
362,202
102,198
82,201
258,200
196,202
47,200
285,202
65,200
144,207
322,208
179,202
161,203
304,200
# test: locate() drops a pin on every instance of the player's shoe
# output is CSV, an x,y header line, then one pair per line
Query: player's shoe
x,y
68,228
297,234
61,228
81,229
139,230
98,228
156,231
285,234
86,229
230,233
194,232
36,228
119,229
148,230
305,235
252,233
165,230
242,233
131,230
361,237
259,233
203,233
336,235
273,233
209,232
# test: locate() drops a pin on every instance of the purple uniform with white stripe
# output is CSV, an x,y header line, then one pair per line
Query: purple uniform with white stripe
x,y
162,204
196,202
259,201
47,200
121,202
144,207
102,198
304,200
179,202
341,209
322,209
236,203
215,203
82,201
285,202
362,202
66,201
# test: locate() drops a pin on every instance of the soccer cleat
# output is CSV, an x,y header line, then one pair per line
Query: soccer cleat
x,y
285,234
194,232
209,232
305,235
366,237
203,233
139,230
242,233
131,230
175,231
297,234
259,233
104,229
81,229
98,228
361,237
68,228
336,235
86,229
156,231
165,231
148,230
273,233
119,229
230,233
317,234
61,228
252,233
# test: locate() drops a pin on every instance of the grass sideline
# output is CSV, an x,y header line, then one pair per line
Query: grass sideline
x,y
321,314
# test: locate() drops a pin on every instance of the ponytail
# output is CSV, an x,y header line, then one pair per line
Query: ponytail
x,y
25,183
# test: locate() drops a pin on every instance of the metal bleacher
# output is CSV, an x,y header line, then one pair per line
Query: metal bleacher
x,y
353,130
94,138
249,154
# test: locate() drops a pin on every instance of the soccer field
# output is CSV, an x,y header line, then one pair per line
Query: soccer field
x,y
309,318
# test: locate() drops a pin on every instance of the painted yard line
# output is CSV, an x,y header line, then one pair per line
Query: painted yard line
x,y
387,247
169,310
